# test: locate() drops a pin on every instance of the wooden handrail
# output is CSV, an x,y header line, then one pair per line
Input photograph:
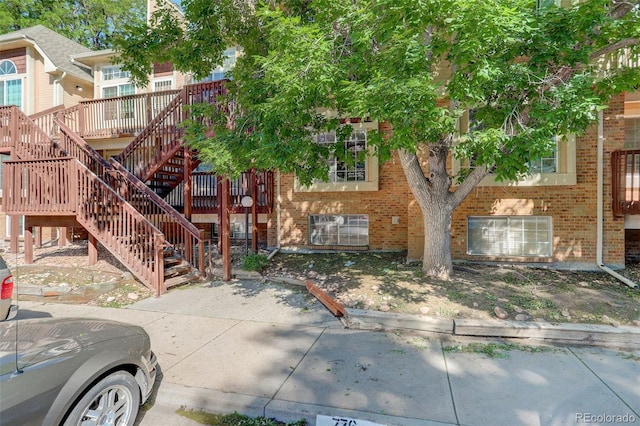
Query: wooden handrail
x,y
143,156
181,234
64,186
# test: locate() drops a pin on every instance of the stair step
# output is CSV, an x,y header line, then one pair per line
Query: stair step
x,y
193,277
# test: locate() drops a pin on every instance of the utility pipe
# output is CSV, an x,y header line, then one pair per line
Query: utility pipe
x,y
599,204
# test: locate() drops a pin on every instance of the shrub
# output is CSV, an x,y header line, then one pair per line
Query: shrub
x,y
255,262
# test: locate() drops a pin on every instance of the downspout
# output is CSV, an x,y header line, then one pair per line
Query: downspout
x,y
58,97
599,204
278,219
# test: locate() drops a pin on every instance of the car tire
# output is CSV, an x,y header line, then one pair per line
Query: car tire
x,y
114,400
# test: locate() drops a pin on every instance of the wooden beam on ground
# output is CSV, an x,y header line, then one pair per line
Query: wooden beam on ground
x,y
334,306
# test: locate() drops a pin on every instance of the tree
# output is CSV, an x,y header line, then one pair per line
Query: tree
x,y
88,22
528,70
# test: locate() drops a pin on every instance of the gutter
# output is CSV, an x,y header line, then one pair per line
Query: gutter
x,y
599,218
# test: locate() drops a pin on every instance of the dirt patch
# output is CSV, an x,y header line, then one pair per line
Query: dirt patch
x,y
64,275
382,281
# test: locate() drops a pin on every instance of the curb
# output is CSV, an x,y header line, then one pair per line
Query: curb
x,y
622,337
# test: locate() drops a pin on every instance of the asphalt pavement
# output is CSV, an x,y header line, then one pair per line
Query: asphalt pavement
x,y
268,350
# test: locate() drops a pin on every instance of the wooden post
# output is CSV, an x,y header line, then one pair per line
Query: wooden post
x,y
187,179
93,250
38,231
254,211
158,279
225,231
28,245
62,236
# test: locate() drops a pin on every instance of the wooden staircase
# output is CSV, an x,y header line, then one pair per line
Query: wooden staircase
x,y
55,176
115,207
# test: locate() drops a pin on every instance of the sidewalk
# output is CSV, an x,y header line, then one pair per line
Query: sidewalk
x,y
265,350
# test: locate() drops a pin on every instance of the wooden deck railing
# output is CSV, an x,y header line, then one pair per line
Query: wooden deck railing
x,y
625,182
205,190
27,139
64,186
109,117
39,187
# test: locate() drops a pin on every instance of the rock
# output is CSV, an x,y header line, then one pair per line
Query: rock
x,y
127,276
518,309
384,308
133,296
614,304
565,313
636,323
475,304
500,312
375,288
523,317
583,284
606,319
424,310
111,299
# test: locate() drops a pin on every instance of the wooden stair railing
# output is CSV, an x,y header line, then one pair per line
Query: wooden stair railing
x,y
161,140
24,136
72,189
183,236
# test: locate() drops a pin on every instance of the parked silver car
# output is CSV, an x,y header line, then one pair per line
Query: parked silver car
x,y
72,371
6,291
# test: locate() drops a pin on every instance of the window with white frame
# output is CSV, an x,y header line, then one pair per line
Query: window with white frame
x,y
221,72
347,171
518,236
546,164
114,72
10,84
116,84
343,230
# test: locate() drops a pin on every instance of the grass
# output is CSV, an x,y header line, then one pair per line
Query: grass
x,y
496,350
234,419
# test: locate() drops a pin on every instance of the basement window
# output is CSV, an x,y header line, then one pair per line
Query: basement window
x,y
341,230
519,236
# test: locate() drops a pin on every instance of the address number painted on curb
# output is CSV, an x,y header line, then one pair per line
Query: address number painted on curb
x,y
342,421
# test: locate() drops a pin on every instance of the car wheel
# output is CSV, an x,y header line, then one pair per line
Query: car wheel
x,y
114,400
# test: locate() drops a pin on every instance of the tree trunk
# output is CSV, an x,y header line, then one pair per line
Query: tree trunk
x,y
437,202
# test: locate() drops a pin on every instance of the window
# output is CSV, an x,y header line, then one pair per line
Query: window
x,y
340,171
559,168
121,109
221,72
342,230
632,133
521,236
114,72
546,164
20,226
10,84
